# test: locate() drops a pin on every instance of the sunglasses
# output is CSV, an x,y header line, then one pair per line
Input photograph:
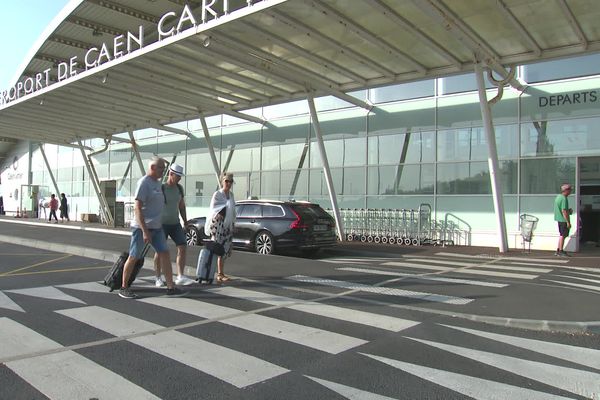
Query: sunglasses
x,y
228,181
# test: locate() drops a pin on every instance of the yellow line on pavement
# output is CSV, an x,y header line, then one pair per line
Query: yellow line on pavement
x,y
56,270
37,265
26,254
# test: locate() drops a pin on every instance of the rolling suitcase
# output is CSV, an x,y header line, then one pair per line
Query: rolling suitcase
x,y
114,278
207,262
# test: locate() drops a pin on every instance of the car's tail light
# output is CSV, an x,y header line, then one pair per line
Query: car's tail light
x,y
297,223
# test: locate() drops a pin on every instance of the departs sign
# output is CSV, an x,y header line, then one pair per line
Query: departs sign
x,y
170,24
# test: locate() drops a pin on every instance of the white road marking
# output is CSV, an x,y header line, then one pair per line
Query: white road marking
x,y
95,287
348,391
527,259
477,388
470,271
569,379
233,367
578,285
63,375
315,338
7,303
344,314
576,354
383,290
423,277
47,292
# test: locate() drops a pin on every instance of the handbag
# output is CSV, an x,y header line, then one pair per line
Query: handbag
x,y
215,247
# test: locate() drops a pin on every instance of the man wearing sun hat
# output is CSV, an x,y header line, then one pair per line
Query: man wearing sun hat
x,y
562,215
174,206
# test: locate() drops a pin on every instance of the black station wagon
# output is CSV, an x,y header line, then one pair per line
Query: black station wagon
x,y
267,226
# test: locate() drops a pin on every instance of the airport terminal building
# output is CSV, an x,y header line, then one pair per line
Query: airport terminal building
x,y
375,105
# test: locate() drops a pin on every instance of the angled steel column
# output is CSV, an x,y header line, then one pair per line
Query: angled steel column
x,y
95,183
492,159
41,146
326,170
136,151
211,149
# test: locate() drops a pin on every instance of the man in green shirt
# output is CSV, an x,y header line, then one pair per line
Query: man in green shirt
x,y
562,215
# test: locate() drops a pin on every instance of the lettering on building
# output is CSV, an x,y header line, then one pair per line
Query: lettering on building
x,y
169,24
586,97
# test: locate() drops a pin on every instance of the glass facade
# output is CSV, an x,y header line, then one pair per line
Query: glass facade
x,y
423,142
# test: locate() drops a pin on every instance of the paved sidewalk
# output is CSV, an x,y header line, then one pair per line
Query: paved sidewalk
x,y
530,306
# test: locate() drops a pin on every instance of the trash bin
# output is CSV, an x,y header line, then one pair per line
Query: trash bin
x,y
527,224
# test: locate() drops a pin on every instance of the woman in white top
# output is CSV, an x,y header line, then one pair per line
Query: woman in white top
x,y
220,221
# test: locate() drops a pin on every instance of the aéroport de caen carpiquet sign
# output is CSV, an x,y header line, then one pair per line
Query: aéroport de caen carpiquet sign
x,y
169,24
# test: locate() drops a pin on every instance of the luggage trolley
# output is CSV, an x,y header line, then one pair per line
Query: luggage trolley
x,y
527,224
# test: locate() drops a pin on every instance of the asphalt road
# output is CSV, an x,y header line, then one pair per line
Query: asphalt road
x,y
349,324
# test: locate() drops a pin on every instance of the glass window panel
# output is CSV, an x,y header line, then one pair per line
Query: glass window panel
x,y
286,109
474,178
544,176
398,202
295,184
270,184
471,213
471,143
461,83
566,137
560,69
353,181
418,115
403,91
401,148
289,130
464,110
401,179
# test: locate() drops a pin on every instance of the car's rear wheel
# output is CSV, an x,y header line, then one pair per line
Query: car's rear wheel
x,y
263,243
192,236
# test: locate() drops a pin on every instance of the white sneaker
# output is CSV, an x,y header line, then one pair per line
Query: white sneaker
x,y
184,280
160,282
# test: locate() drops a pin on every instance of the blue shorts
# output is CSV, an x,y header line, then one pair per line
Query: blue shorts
x,y
176,232
157,240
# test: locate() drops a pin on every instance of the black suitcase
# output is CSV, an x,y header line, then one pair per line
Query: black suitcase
x,y
114,278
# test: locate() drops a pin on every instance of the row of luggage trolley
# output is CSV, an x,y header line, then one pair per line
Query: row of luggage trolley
x,y
407,227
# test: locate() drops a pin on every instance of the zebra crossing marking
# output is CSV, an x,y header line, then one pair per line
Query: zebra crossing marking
x,y
95,287
565,378
319,339
47,292
63,375
379,321
7,303
541,260
477,388
423,277
577,285
578,278
575,354
475,265
383,290
348,392
231,366
470,271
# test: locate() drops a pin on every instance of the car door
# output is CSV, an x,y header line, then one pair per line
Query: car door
x,y
246,224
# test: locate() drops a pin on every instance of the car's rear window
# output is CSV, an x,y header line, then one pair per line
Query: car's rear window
x,y
310,211
272,211
250,210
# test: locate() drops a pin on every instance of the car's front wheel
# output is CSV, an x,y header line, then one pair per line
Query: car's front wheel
x,y
263,244
192,236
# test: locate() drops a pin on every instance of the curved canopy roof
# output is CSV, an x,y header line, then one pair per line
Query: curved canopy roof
x,y
265,52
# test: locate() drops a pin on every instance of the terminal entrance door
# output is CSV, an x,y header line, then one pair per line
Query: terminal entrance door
x,y
588,194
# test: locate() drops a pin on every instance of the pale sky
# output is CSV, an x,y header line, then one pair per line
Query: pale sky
x,y
23,21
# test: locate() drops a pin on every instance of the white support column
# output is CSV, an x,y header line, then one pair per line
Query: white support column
x,y
326,170
136,151
492,160
211,149
41,146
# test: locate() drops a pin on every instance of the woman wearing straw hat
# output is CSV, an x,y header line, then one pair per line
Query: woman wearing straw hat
x,y
220,221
